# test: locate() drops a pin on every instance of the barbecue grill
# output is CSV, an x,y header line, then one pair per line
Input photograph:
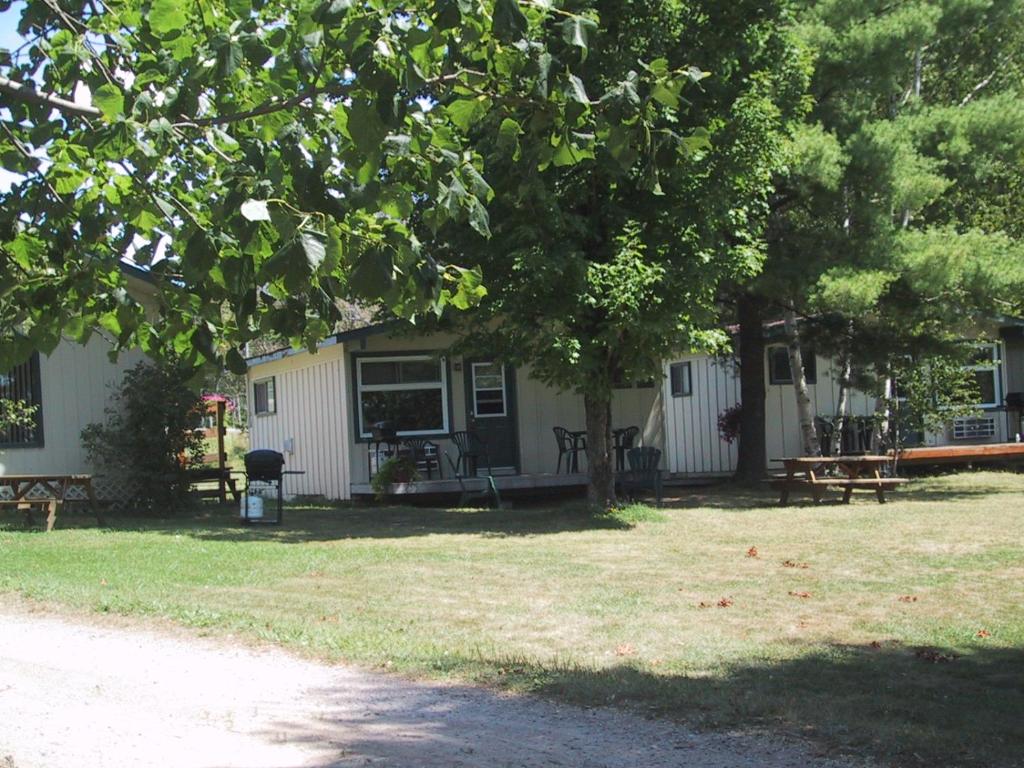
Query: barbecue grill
x,y
264,471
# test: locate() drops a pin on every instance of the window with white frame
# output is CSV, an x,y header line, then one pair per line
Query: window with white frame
x,y
489,390
984,364
681,379
264,396
410,391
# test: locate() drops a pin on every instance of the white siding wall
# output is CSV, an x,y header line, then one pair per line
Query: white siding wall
x,y
691,423
311,393
77,383
539,408
781,422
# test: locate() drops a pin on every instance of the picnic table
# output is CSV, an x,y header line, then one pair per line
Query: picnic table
x,y
49,492
816,473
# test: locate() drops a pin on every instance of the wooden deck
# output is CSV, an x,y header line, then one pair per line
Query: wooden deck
x,y
518,483
963,454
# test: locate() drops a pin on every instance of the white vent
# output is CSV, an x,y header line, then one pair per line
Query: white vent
x,y
974,429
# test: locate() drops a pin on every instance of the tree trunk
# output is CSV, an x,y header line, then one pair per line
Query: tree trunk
x,y
808,434
882,416
600,466
839,423
752,457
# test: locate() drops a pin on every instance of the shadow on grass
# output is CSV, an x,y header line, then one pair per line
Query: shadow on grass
x,y
905,706
312,523
733,497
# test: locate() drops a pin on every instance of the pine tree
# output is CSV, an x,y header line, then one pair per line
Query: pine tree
x,y
894,228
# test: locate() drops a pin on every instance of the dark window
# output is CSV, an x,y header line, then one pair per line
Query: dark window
x,y
408,391
411,410
264,397
984,363
681,379
22,383
778,366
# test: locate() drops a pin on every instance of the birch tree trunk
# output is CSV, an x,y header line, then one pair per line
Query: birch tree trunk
x,y
843,405
600,469
805,413
882,416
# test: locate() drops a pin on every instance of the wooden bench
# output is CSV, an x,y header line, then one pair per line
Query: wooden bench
x,y
808,473
223,477
848,484
47,492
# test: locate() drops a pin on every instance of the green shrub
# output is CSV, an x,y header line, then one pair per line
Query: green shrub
x,y
151,438
398,469
16,413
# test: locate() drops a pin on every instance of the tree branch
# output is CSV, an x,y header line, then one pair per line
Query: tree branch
x,y
24,93
978,87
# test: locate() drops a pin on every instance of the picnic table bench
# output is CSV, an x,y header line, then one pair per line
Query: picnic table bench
x,y
47,492
811,473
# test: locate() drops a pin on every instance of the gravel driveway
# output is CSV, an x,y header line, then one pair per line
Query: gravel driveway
x,y
79,693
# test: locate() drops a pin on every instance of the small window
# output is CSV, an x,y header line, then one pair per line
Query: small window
x,y
778,366
264,397
984,364
488,390
681,379
23,383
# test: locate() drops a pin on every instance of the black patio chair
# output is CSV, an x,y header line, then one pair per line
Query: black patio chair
x,y
825,429
570,445
622,442
471,449
424,454
643,473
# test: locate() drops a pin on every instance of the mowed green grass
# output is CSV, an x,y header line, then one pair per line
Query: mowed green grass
x,y
894,631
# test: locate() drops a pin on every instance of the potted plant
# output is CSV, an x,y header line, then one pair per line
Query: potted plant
x,y
397,469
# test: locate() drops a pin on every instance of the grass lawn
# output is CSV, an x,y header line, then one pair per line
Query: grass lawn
x,y
895,631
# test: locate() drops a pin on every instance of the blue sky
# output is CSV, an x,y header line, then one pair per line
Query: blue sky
x,y
9,37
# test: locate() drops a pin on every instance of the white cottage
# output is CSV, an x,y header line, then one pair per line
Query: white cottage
x,y
318,409
71,387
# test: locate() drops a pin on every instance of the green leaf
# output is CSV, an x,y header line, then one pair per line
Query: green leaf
x,y
508,134
576,32
665,95
255,210
364,125
110,101
335,251
167,17
466,112
544,62
229,58
313,245
479,219
373,274
508,23
331,11
575,90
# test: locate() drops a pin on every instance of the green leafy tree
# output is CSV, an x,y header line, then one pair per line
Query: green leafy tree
x,y
613,228
151,437
264,159
894,227
16,413
929,394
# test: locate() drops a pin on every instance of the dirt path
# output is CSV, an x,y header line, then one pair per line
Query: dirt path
x,y
74,693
